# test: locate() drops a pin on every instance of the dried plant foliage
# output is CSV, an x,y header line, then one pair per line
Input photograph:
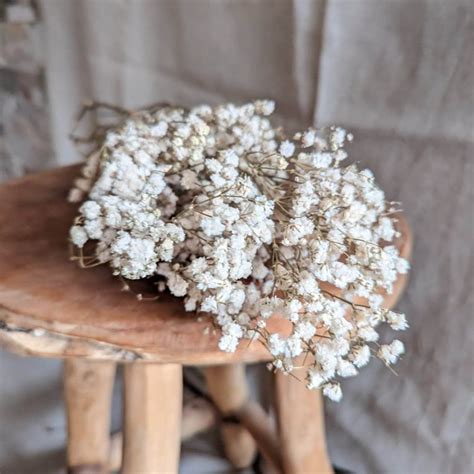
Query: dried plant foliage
x,y
244,221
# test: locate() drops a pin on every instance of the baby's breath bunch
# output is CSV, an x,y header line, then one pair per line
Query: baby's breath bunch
x,y
246,223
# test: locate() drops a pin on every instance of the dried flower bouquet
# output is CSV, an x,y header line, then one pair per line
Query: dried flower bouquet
x,y
244,222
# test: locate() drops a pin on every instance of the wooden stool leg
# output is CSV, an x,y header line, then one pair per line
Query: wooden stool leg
x,y
300,415
152,418
227,386
88,393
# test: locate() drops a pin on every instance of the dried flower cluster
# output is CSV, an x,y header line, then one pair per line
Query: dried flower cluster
x,y
245,223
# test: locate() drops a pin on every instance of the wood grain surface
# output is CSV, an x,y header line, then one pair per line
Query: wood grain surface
x,y
51,307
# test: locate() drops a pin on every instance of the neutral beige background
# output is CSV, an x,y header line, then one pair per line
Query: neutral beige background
x,y
400,75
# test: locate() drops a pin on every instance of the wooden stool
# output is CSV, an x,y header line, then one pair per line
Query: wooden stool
x,y
49,307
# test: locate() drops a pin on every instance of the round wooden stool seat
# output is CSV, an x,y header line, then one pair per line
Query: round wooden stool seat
x,y
84,312
50,307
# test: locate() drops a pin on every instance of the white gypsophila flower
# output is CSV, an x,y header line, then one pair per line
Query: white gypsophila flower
x,y
315,379
90,210
308,138
177,284
228,343
305,330
397,321
389,353
360,356
212,226
265,107
397,347
333,391
346,369
78,236
287,148
245,224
